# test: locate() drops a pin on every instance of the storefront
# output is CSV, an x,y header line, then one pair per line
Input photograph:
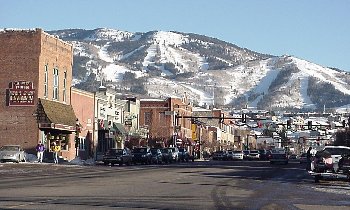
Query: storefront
x,y
57,123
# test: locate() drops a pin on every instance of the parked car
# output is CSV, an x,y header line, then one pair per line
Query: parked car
x,y
302,158
237,155
12,153
279,155
184,155
167,155
175,153
263,154
254,155
245,154
118,156
157,156
219,155
293,157
142,155
332,161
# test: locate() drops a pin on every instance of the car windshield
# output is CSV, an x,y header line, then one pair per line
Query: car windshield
x,y
140,150
237,152
9,148
254,151
115,151
154,151
165,150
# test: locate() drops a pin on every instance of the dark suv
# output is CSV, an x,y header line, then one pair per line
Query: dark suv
x,y
157,156
118,156
142,155
167,155
184,155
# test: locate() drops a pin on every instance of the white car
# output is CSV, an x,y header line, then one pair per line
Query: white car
x,y
237,155
12,153
254,155
337,152
278,155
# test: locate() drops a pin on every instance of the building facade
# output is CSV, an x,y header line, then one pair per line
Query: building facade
x,y
35,81
109,121
83,105
166,120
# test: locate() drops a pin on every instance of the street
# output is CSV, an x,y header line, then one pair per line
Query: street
x,y
193,185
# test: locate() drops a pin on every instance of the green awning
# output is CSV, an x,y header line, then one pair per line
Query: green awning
x,y
119,128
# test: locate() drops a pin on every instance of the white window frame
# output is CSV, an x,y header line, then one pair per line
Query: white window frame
x,y
55,84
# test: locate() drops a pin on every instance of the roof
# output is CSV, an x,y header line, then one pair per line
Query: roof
x,y
58,113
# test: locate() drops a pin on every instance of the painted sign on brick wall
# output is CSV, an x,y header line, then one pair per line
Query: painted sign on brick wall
x,y
21,93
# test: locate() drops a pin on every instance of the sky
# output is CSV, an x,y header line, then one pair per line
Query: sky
x,y
314,30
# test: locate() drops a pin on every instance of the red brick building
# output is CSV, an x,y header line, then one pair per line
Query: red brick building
x,y
83,105
162,118
35,81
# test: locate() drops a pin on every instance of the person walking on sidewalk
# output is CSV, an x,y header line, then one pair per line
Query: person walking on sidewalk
x,y
55,149
40,148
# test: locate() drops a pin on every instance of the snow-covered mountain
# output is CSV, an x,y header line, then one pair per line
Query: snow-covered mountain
x,y
207,70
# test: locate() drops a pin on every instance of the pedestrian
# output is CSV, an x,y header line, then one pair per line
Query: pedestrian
x,y
308,159
40,148
55,149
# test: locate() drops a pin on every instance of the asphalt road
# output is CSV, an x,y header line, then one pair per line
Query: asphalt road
x,y
195,185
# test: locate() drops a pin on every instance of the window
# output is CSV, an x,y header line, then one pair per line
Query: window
x,y
65,86
148,118
45,82
81,143
55,84
162,118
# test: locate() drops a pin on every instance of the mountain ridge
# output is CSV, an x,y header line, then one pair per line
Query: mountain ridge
x,y
162,64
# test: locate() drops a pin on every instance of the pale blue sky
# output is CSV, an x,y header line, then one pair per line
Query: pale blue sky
x,y
314,30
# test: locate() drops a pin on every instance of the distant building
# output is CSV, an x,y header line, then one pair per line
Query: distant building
x,y
35,82
83,105
162,118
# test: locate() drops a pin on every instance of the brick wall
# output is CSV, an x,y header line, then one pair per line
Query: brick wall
x,y
23,55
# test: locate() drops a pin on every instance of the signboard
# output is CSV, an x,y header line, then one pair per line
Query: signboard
x,y
194,131
128,122
21,93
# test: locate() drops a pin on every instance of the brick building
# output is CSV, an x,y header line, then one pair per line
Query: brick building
x,y
83,105
35,81
162,119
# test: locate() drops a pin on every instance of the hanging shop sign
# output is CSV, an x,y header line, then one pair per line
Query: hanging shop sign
x,y
21,93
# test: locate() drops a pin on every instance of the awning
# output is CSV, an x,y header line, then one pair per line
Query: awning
x,y
119,128
55,115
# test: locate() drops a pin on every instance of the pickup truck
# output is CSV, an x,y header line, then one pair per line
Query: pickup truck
x,y
278,156
118,156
